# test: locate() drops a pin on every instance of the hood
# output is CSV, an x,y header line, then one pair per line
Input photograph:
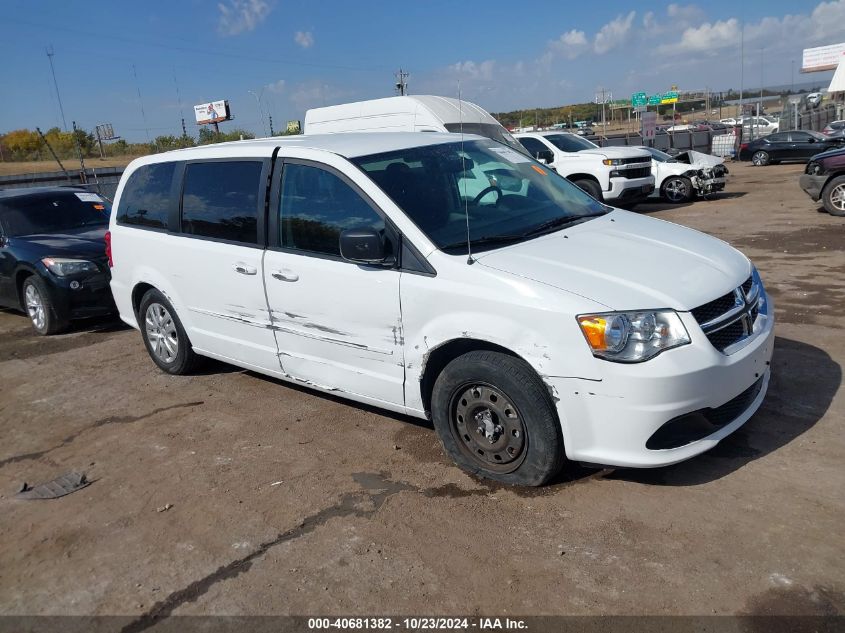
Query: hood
x,y
829,153
617,152
87,242
628,262
699,160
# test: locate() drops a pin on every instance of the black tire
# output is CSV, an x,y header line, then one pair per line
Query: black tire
x,y
590,186
511,403
167,330
37,303
760,158
833,196
677,189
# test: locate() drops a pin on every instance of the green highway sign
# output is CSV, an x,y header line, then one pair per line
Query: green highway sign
x,y
654,99
638,99
669,97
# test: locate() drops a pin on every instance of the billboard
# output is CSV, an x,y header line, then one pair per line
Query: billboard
x,y
821,58
213,112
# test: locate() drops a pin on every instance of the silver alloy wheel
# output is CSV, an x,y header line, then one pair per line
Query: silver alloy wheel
x,y
35,307
676,190
760,158
161,332
837,197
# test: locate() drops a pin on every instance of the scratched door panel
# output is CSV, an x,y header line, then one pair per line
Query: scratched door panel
x,y
217,268
227,311
337,325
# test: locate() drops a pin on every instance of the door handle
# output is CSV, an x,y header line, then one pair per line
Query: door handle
x,y
244,269
284,275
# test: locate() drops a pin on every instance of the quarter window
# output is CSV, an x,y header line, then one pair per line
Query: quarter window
x,y
316,206
145,200
220,200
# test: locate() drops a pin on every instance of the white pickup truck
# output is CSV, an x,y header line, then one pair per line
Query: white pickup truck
x,y
620,175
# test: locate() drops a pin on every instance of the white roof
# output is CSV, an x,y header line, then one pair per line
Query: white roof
x,y
349,145
837,84
446,109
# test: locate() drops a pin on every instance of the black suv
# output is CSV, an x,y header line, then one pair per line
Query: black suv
x,y
53,262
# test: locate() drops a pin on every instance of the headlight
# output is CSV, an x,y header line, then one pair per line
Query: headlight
x,y
632,337
813,168
65,267
612,161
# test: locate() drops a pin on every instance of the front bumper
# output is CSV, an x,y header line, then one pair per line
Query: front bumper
x,y
812,185
610,421
629,189
91,298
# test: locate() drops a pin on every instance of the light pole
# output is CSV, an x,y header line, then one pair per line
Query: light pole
x,y
260,111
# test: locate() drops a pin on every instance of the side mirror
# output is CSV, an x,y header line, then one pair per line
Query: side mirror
x,y
811,140
546,155
364,246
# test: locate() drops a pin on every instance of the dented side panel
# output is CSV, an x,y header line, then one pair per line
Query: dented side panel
x,y
474,302
338,325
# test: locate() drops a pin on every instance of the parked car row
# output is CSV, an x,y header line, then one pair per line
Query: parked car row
x,y
797,145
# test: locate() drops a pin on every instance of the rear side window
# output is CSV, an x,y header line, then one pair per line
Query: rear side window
x,y
220,200
146,197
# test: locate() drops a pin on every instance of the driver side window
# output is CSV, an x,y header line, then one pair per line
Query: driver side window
x,y
316,206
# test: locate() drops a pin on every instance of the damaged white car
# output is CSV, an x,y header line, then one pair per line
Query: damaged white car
x,y
687,175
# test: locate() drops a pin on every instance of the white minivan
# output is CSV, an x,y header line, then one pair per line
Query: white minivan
x,y
529,321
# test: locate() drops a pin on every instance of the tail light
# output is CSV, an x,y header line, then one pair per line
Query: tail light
x,y
743,146
108,248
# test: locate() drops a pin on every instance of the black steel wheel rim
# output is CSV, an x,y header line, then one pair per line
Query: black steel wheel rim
x,y
487,427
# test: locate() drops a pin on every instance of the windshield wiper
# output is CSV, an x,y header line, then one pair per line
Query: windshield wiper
x,y
558,223
487,239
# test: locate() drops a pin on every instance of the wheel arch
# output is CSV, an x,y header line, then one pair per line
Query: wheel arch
x,y
21,276
138,292
436,360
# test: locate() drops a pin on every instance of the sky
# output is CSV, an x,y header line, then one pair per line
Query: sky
x,y
142,66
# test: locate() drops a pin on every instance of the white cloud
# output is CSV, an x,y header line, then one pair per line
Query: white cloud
x,y
686,13
569,45
276,87
787,33
237,16
304,38
649,22
483,71
707,37
315,93
614,33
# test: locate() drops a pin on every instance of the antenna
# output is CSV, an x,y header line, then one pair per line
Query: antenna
x,y
463,169
401,83
141,103
50,54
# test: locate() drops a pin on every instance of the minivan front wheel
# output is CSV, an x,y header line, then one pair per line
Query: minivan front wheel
x,y
163,334
495,419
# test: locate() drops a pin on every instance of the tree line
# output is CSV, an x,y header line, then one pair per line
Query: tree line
x,y
28,145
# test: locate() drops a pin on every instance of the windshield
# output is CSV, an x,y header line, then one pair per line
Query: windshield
x,y
490,130
660,157
569,142
504,195
53,213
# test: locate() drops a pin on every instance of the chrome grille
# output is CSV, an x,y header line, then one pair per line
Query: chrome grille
x,y
729,319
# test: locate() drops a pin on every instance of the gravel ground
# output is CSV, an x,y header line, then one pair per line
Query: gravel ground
x,y
285,501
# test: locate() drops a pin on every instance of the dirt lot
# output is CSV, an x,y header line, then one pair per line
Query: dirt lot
x,y
289,502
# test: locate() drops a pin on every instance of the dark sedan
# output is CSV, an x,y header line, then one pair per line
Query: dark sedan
x,y
53,261
780,146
